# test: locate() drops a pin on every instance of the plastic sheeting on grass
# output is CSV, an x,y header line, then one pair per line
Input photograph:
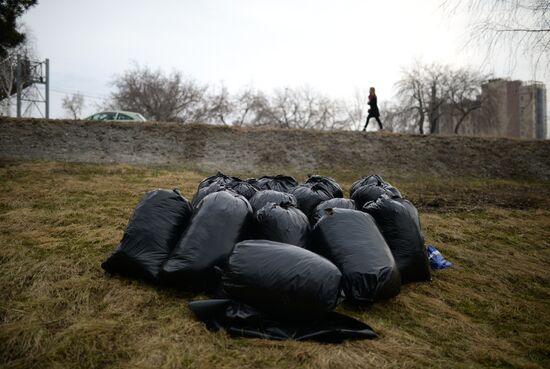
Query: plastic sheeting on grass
x,y
240,319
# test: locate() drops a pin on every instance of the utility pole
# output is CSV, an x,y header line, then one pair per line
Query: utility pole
x,y
47,89
30,74
18,76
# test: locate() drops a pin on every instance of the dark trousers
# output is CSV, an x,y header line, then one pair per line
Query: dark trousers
x,y
375,117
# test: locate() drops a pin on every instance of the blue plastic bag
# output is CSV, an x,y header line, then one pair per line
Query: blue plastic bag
x,y
437,261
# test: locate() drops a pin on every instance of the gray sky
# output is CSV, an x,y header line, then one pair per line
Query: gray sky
x,y
335,47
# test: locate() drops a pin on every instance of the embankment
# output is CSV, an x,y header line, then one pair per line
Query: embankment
x,y
209,148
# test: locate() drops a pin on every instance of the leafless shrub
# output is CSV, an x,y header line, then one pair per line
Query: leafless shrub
x,y
73,105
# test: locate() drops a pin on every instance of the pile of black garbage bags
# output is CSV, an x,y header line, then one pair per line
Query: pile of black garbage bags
x,y
277,256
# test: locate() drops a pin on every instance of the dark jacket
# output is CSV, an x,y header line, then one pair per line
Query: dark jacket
x,y
373,110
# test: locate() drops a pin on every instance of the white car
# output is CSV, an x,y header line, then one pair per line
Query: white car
x,y
117,115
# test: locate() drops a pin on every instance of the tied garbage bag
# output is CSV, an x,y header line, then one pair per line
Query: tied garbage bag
x,y
437,261
205,191
276,183
240,319
243,188
330,185
152,232
398,220
219,178
373,180
352,241
309,196
365,194
339,203
261,198
221,220
283,223
253,182
281,278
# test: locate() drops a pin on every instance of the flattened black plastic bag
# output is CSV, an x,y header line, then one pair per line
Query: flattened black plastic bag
x,y
279,183
205,191
283,223
152,232
398,220
339,203
261,198
281,279
352,241
244,188
221,220
328,183
373,180
240,319
309,196
218,178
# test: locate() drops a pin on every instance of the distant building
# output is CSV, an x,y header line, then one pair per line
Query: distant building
x,y
506,108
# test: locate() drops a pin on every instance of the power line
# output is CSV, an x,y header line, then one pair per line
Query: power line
x,y
91,95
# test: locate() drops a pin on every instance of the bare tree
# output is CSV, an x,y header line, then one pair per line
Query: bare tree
x,y
437,80
338,116
394,118
73,105
306,108
430,91
411,93
464,94
521,26
251,108
160,97
220,106
8,70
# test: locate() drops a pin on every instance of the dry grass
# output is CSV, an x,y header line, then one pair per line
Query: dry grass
x,y
59,310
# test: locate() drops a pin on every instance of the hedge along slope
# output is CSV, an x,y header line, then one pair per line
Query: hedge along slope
x,y
236,149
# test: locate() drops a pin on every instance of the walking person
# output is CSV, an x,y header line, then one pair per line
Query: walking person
x,y
373,109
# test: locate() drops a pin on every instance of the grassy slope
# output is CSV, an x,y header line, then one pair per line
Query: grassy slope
x,y
58,308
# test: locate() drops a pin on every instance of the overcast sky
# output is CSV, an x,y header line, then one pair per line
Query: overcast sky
x,y
335,47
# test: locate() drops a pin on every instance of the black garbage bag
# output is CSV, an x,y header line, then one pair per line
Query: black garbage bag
x,y
221,220
253,182
277,183
328,183
243,188
240,319
373,180
339,203
205,191
352,241
398,220
218,178
281,279
309,196
283,223
261,198
152,232
364,194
